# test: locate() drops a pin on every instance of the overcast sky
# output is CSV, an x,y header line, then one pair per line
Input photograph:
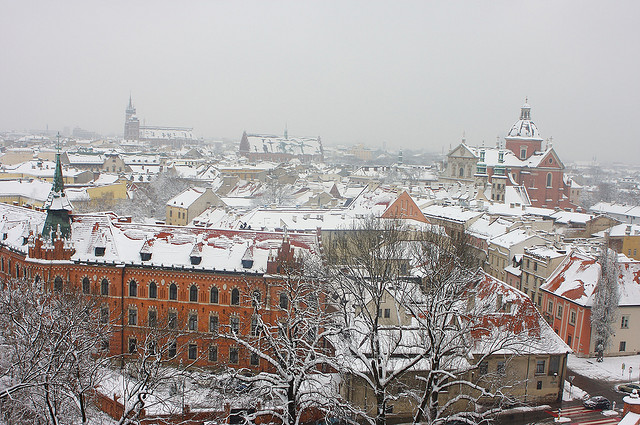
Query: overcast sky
x,y
411,74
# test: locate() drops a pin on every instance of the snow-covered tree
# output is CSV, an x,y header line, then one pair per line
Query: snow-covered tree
x,y
149,200
410,325
287,341
51,354
605,300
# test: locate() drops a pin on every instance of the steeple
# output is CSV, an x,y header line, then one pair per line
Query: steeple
x,y
58,222
525,111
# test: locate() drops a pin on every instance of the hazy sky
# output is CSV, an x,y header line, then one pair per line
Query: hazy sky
x,y
411,74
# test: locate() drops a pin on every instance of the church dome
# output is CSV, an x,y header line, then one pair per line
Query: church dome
x,y
524,128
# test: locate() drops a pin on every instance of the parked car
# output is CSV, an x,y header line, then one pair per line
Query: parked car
x,y
628,388
597,402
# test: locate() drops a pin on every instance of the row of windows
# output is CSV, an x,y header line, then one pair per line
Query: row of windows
x,y
283,301
192,352
192,321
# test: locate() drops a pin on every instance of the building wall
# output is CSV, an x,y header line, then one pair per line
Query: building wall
x,y
517,375
119,301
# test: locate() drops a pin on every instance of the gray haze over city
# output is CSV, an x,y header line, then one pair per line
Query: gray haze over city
x,y
409,74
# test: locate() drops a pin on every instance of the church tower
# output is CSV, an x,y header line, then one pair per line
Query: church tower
x,y
58,222
55,241
524,138
131,123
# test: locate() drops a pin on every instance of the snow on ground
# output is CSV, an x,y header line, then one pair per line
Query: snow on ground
x,y
573,393
609,370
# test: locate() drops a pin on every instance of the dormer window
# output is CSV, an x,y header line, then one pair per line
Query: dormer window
x,y
99,251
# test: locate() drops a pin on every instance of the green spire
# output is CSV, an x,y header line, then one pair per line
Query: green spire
x,y
57,205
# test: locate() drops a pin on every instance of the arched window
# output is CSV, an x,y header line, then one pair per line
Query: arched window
x,y
37,279
173,292
193,294
461,173
284,300
86,285
133,288
17,271
213,296
255,298
235,296
104,287
153,290
57,284
549,181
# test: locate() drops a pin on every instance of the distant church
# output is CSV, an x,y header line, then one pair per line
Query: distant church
x,y
262,147
175,137
523,162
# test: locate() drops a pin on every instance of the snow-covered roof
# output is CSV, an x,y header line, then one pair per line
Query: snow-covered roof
x,y
577,276
186,198
451,213
292,145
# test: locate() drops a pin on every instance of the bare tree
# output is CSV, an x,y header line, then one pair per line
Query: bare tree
x,y
413,334
50,354
288,345
150,380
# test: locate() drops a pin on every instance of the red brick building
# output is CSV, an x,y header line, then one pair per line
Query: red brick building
x,y
524,161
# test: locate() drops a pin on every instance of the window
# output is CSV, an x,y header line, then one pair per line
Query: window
x,y
549,180
105,345
57,284
133,317
213,296
284,301
193,322
483,368
213,353
559,313
213,324
193,294
523,153
624,323
86,285
153,318
172,321
172,351
104,287
255,359
540,367
255,298
133,288
153,290
379,312
539,385
461,174
233,355
133,345
234,323
623,345
104,314
500,368
387,313
193,351
152,346
535,266
173,291
572,317
254,326
554,365
235,296
550,306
